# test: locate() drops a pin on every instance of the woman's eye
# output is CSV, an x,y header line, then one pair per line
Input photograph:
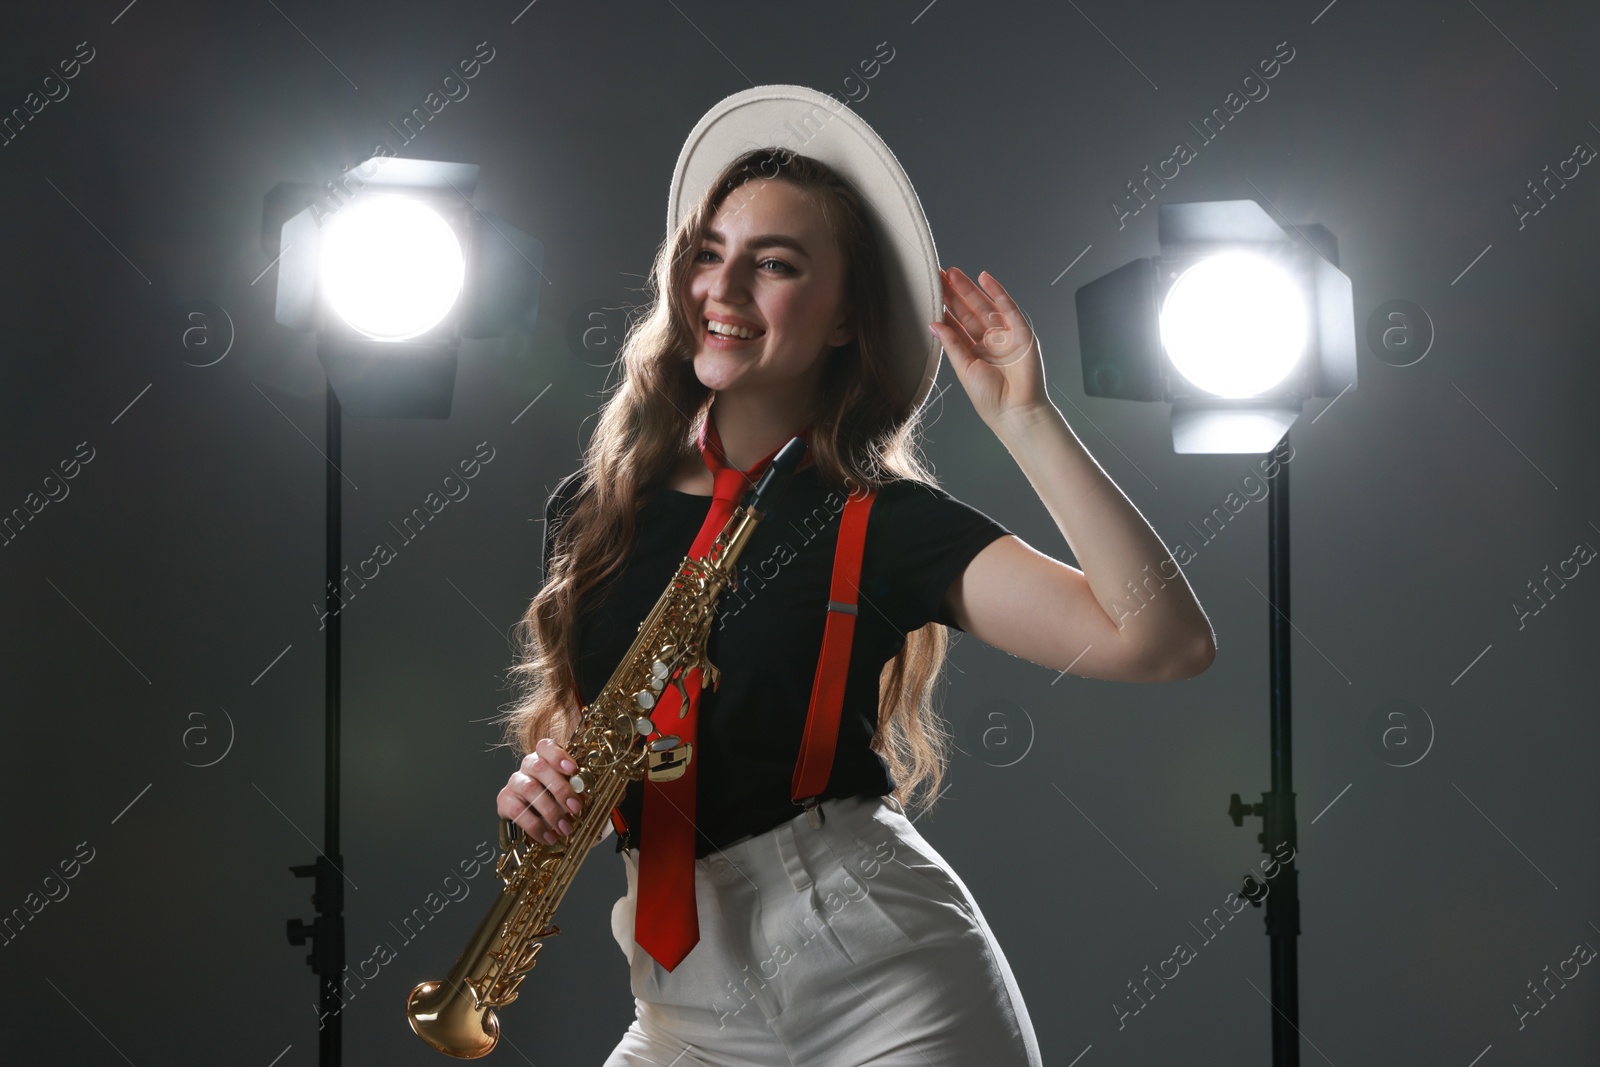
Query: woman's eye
x,y
782,266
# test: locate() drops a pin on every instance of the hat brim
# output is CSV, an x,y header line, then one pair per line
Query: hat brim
x,y
815,124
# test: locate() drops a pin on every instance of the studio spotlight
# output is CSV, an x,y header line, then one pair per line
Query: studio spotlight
x,y
392,267
1236,324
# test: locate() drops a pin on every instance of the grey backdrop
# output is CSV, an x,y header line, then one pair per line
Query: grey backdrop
x,y
167,604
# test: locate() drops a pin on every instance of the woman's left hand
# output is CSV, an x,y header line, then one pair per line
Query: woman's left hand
x,y
991,346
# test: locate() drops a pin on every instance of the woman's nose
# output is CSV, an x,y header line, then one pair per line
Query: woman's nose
x,y
728,284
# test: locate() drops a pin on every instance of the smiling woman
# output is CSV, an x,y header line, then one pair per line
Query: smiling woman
x,y
797,295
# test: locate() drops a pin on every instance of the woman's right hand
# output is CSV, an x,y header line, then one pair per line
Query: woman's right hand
x,y
538,796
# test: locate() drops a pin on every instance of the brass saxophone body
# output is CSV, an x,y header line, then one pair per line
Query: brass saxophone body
x,y
611,747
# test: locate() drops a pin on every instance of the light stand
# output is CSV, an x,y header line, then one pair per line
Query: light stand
x,y
1276,808
326,931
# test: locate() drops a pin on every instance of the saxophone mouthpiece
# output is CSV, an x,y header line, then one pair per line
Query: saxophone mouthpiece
x,y
775,481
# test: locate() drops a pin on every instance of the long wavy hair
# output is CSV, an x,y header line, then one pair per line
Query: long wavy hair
x,y
865,433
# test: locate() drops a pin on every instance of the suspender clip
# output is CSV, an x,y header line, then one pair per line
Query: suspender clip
x,y
814,814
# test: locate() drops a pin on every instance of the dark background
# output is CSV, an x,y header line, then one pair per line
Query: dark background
x,y
188,555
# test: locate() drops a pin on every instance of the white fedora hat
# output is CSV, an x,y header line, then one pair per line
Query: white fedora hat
x,y
815,124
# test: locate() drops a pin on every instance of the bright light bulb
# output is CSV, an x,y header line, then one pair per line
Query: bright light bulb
x,y
1234,324
391,267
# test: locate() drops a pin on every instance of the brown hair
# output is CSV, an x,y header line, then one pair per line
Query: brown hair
x,y
864,434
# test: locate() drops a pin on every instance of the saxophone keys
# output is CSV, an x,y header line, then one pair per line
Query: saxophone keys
x,y
645,698
644,726
577,783
659,672
665,744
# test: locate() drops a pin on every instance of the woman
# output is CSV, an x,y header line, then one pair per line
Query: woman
x,y
835,934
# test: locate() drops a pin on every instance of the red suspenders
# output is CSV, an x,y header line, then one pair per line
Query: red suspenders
x,y
817,744
833,665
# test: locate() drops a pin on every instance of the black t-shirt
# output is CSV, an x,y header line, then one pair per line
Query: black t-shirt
x,y
768,635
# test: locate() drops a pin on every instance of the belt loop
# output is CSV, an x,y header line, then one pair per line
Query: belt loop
x,y
789,853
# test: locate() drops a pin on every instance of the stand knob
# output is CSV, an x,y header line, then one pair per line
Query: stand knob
x,y
1238,809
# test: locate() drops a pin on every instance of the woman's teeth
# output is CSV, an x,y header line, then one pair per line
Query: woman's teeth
x,y
724,330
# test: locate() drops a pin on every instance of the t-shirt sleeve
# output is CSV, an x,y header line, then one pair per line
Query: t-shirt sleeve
x,y
556,510
928,542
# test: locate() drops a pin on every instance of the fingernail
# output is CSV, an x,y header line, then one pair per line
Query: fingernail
x,y
565,827
573,805
568,766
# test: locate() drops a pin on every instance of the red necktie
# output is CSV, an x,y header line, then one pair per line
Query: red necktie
x,y
666,923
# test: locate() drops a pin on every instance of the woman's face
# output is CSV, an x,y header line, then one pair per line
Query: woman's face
x,y
768,262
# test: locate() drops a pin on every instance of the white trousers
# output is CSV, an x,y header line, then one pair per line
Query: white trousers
x,y
851,945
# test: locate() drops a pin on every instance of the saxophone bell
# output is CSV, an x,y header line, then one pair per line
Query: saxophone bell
x,y
452,1023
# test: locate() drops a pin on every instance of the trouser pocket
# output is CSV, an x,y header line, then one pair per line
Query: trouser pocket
x,y
885,891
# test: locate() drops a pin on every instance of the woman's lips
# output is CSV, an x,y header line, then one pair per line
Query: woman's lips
x,y
718,340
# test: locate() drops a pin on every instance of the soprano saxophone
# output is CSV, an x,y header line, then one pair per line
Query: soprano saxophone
x,y
612,746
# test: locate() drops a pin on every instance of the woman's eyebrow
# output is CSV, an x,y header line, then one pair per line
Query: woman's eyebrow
x,y
766,240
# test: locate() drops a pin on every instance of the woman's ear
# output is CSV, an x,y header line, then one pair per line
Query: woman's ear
x,y
844,331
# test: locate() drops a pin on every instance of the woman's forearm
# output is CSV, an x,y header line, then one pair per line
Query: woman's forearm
x,y
1137,582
